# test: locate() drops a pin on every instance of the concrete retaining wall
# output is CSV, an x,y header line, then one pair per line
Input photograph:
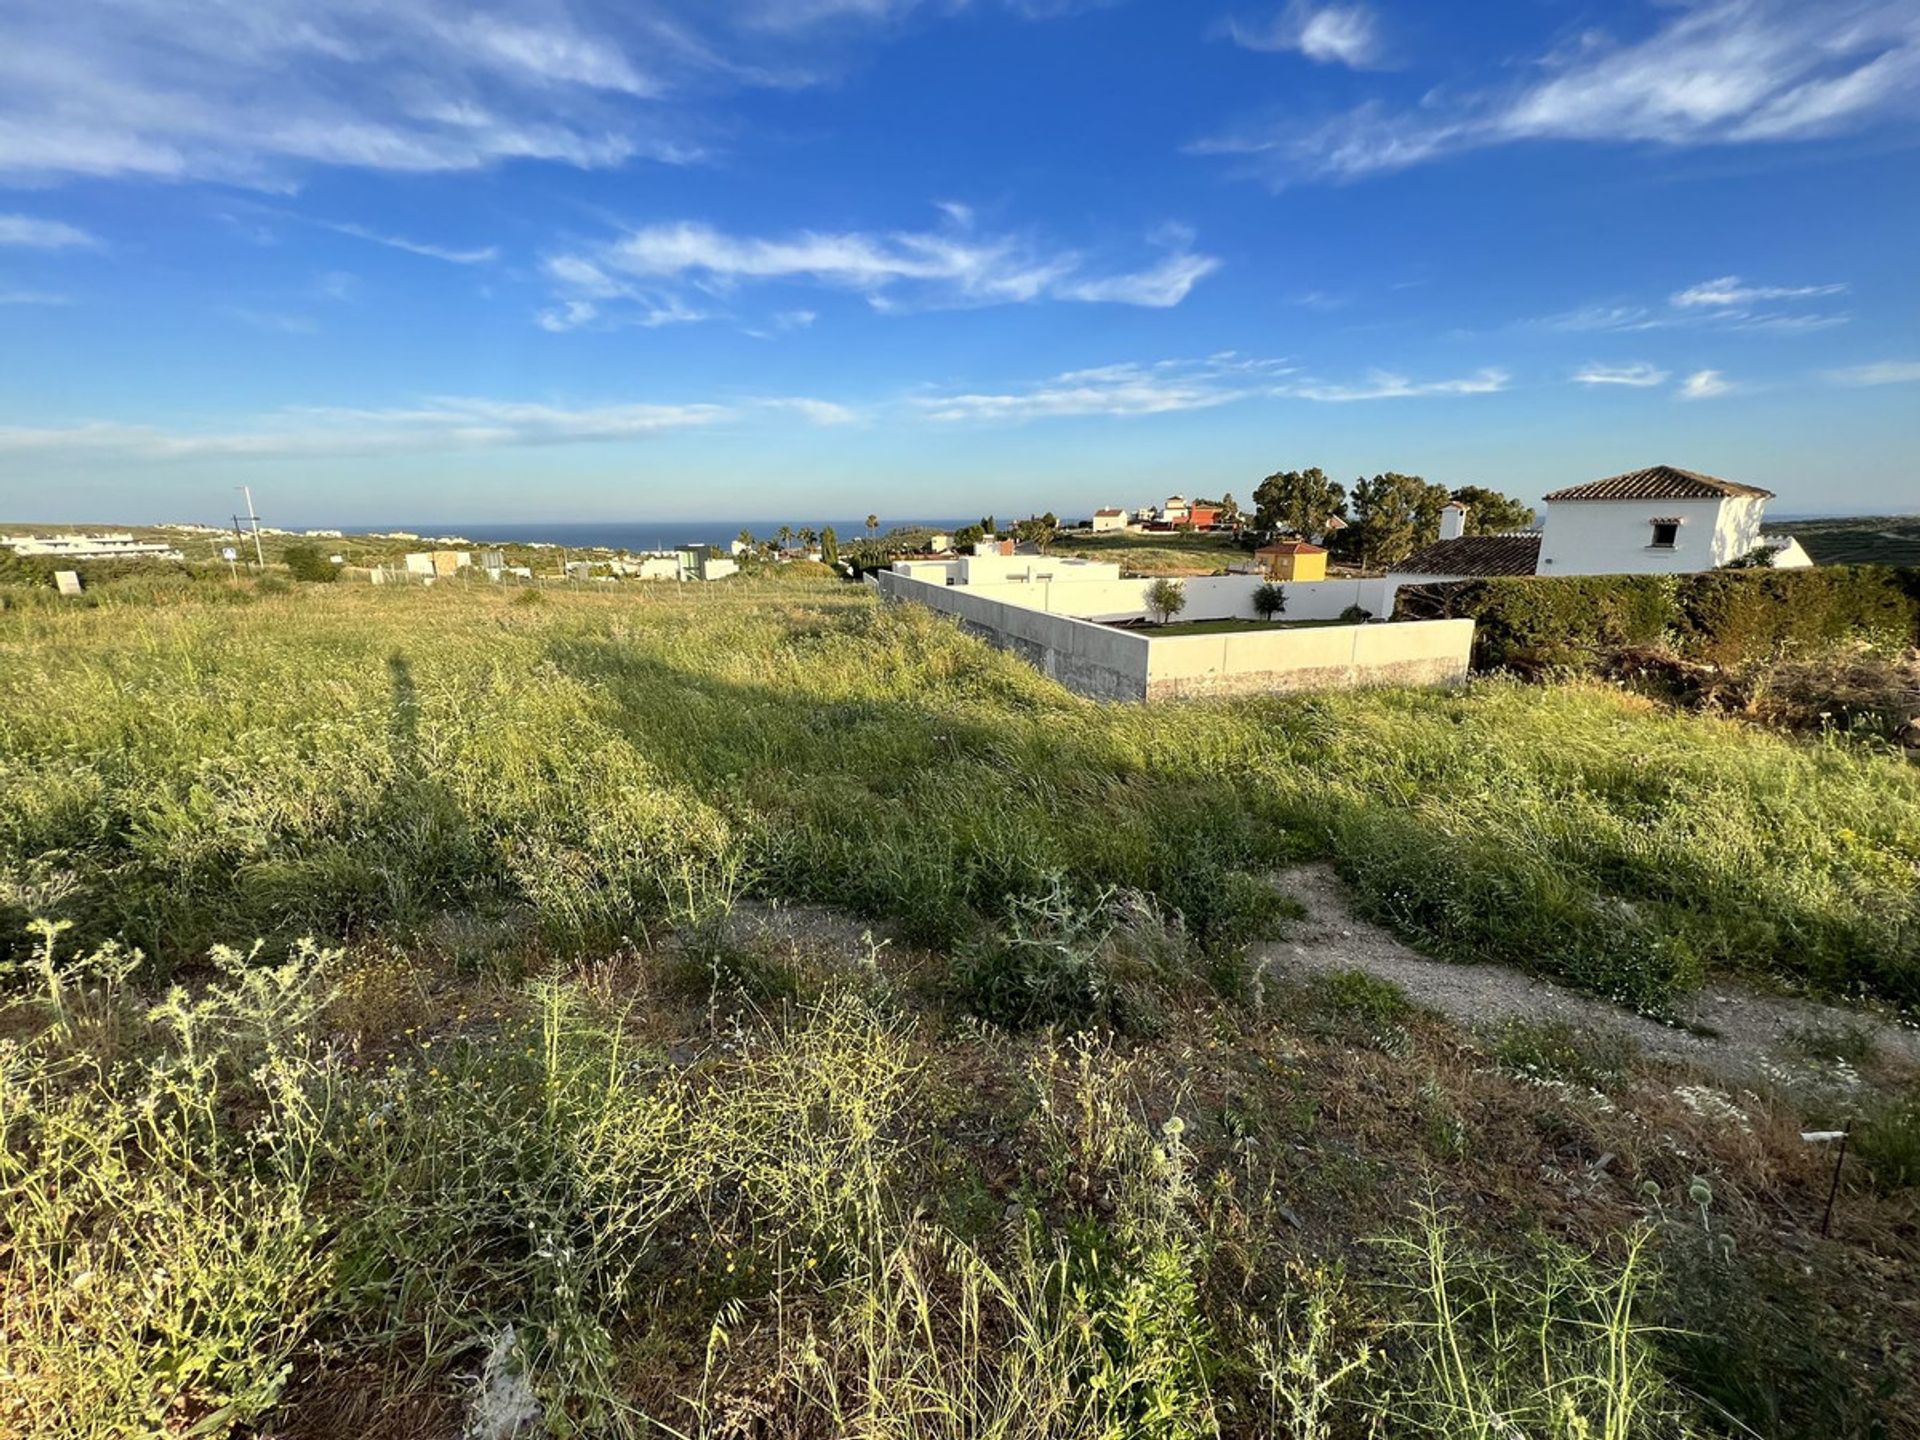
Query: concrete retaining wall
x,y
1332,657
1109,664
1089,659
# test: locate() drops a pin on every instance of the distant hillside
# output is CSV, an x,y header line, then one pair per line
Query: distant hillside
x,y
1857,539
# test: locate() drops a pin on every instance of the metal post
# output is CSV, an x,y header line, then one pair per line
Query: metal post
x,y
259,558
1833,1190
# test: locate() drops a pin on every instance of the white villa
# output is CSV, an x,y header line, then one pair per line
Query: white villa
x,y
114,545
1658,521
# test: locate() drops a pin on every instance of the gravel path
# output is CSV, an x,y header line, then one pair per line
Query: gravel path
x,y
1748,1029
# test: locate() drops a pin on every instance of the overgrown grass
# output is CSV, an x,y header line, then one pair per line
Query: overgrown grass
x,y
356,760
313,1194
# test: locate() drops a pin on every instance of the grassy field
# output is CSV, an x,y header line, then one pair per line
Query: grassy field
x,y
524,1097
1169,554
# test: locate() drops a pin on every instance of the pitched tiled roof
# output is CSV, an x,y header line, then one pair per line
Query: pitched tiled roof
x,y
1290,547
1661,482
1475,555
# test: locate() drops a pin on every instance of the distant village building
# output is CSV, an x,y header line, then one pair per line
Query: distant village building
x,y
1109,519
1658,521
109,545
1291,560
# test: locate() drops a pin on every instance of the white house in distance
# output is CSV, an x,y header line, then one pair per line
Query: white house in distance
x,y
112,545
1109,518
1658,521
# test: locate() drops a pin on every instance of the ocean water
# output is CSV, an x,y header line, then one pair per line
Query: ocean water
x,y
648,534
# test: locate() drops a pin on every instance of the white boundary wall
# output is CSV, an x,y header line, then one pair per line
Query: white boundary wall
x,y
1209,597
1090,659
1109,664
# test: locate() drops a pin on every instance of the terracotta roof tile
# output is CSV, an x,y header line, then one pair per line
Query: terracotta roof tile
x,y
1660,482
1475,555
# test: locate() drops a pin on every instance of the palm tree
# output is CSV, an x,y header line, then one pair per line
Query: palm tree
x,y
873,523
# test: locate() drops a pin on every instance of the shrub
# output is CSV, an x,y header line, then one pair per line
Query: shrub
x,y
1056,961
1270,600
1720,617
305,562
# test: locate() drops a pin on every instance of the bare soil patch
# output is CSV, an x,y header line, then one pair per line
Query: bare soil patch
x,y
1726,1028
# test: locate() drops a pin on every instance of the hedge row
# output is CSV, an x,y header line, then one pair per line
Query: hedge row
x,y
1719,617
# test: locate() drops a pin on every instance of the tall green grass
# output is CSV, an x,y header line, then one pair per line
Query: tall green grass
x,y
335,762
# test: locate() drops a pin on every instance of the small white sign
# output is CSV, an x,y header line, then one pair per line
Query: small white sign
x,y
227,552
67,582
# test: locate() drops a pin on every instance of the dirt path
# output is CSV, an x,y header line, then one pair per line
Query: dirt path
x,y
1748,1030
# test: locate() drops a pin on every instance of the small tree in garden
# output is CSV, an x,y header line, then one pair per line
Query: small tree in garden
x,y
1166,599
1270,600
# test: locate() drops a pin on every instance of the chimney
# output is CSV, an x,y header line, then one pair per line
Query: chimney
x,y
1453,520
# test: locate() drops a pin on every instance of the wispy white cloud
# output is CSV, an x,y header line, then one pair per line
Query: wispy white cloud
x,y
783,323
1704,385
1386,385
1639,375
1712,72
900,270
1330,34
1130,390
34,297
819,412
1731,292
1117,391
1726,303
33,233
257,92
444,423
1880,372
477,255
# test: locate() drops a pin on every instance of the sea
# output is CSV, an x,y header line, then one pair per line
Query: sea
x,y
644,534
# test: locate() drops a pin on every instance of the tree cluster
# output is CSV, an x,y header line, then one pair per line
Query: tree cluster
x,y
1385,518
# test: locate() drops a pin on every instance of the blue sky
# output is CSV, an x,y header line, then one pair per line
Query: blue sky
x,y
413,259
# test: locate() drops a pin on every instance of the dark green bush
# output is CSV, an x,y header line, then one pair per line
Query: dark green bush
x,y
1720,617
305,562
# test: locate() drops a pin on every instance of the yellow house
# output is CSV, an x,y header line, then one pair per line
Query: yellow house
x,y
1292,560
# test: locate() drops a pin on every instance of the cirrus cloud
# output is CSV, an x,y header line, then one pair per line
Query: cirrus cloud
x,y
647,271
439,424
1131,390
1713,72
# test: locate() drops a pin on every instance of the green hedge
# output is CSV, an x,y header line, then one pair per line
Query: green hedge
x,y
1723,617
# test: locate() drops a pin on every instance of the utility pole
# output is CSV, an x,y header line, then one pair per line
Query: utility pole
x,y
259,558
